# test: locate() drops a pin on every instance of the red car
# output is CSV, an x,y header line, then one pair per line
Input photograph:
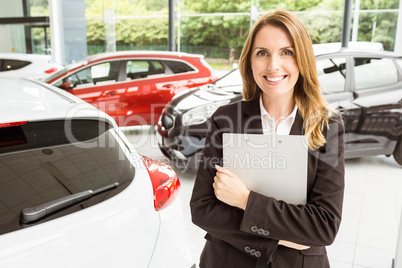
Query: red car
x,y
133,86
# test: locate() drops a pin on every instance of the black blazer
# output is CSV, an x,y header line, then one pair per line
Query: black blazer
x,y
237,238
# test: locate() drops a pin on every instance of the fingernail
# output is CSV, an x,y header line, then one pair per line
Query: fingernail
x,y
217,167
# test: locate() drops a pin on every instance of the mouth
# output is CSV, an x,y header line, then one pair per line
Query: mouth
x,y
275,79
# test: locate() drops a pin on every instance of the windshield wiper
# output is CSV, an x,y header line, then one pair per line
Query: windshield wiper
x,y
40,211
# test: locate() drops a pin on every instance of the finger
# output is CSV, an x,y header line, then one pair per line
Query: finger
x,y
224,170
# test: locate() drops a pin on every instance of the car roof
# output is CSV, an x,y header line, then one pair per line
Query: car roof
x,y
23,56
336,46
141,53
356,52
28,100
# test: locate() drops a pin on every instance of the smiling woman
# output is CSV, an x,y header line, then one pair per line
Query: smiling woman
x,y
281,97
274,67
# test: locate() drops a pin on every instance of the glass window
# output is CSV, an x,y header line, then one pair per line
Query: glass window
x,y
44,161
178,67
158,67
9,65
374,72
99,74
137,66
137,69
332,74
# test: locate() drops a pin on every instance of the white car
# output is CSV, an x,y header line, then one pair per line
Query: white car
x,y
74,192
32,66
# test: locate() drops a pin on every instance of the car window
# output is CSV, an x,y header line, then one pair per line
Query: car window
x,y
44,161
9,65
99,74
137,69
374,72
332,74
178,67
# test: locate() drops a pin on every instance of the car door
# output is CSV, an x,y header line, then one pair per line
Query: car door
x,y
97,85
378,89
333,74
149,86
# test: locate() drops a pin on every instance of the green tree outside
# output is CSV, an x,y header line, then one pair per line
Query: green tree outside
x,y
143,24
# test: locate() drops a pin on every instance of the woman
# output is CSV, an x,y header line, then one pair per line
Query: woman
x,y
282,96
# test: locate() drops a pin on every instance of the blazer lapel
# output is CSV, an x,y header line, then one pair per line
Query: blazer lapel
x,y
251,120
297,128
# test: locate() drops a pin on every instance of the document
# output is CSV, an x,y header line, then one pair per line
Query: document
x,y
272,165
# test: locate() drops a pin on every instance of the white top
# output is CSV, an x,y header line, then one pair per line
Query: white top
x,y
268,123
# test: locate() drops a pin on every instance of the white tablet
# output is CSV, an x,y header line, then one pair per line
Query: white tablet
x,y
273,165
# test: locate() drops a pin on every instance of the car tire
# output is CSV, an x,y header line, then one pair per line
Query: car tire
x,y
398,152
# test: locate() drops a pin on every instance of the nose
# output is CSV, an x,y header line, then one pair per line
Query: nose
x,y
274,63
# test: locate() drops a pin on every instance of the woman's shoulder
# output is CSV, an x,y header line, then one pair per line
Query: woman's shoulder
x,y
249,107
335,125
230,107
336,118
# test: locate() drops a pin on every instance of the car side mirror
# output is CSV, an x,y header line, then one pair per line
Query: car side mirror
x,y
67,86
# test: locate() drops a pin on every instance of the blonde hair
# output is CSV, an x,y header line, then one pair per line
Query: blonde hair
x,y
312,106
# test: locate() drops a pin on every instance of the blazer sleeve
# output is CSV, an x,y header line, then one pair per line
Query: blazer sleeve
x,y
317,222
215,217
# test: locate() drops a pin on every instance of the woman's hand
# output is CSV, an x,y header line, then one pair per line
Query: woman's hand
x,y
292,245
229,188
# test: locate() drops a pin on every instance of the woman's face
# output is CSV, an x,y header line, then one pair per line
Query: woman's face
x,y
273,62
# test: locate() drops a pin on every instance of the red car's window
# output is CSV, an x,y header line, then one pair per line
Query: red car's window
x,y
137,69
178,67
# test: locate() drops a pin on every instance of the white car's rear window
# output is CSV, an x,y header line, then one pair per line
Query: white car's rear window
x,y
44,161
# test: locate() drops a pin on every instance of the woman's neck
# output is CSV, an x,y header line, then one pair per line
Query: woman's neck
x,y
278,107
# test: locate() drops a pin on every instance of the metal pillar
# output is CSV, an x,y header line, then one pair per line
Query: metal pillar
x,y
355,30
68,30
346,23
28,35
172,37
110,27
398,37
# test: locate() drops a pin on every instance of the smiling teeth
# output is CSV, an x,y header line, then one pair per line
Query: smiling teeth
x,y
275,79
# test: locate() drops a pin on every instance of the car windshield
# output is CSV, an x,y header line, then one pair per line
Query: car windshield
x,y
44,161
65,70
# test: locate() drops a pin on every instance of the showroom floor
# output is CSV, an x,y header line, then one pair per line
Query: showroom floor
x,y
372,207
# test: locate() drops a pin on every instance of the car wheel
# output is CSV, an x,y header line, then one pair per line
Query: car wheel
x,y
398,152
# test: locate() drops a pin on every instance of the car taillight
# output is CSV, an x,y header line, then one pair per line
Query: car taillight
x,y
12,134
52,70
165,182
13,124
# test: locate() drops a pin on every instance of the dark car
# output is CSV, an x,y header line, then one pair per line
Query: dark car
x,y
366,86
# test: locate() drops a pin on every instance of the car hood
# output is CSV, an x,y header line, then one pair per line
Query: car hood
x,y
201,96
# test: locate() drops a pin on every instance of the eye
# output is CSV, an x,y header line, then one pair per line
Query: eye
x,y
262,53
287,52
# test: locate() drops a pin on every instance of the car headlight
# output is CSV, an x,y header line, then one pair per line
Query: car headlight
x,y
199,115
